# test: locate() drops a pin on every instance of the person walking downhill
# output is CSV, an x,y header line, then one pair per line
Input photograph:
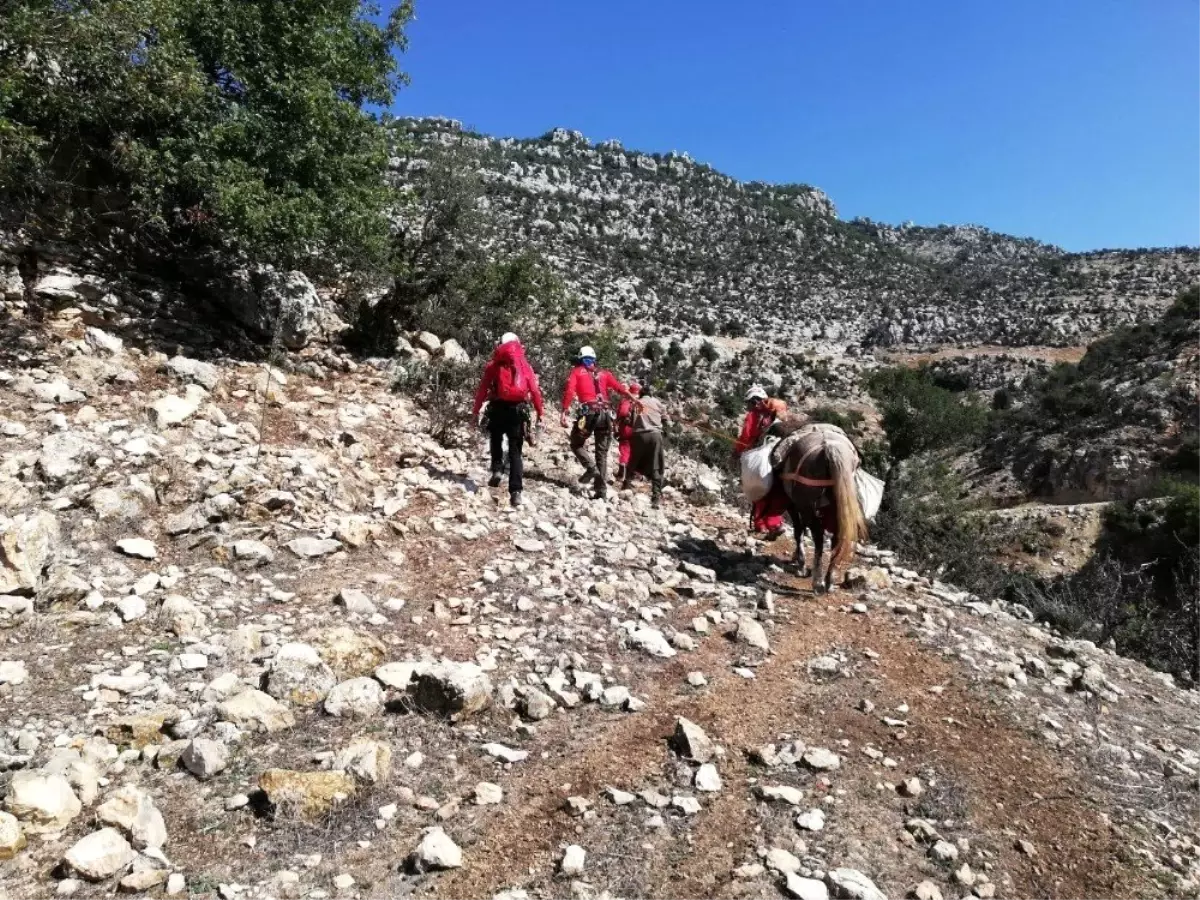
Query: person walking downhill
x,y
646,444
509,385
761,413
625,417
593,388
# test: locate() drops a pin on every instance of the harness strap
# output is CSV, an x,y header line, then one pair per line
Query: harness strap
x,y
804,480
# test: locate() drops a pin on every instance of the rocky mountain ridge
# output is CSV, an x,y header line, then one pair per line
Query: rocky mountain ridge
x,y
260,636
663,239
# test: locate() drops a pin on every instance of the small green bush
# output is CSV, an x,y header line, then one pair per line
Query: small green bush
x,y
921,416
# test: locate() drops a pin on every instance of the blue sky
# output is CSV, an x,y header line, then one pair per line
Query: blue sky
x,y
1073,121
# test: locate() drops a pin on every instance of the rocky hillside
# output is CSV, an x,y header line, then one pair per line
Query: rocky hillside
x,y
664,239
261,637
1110,425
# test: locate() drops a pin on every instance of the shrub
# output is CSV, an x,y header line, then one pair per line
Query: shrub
x,y
920,416
849,420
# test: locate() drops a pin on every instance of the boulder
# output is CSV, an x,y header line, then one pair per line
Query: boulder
x,y
299,675
140,548
194,371
311,547
102,854
452,352
347,652
367,762
60,456
12,837
43,802
205,757
751,633
122,504
357,698
133,811
257,711
436,851
273,304
306,794
27,548
653,642
851,884
805,888
174,409
427,341
573,860
454,690
690,741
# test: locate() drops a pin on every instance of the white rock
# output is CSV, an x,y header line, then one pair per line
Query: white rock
x,y
454,690
44,802
12,837
13,672
100,855
254,709
488,794
782,792
851,884
133,811
806,888
573,860
138,547
436,851
690,741
653,642
357,698
820,759
508,754
708,778
751,632
299,675
205,757
311,547
783,862
813,820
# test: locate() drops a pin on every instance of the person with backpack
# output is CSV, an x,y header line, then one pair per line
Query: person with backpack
x,y
625,417
646,456
593,388
509,385
762,412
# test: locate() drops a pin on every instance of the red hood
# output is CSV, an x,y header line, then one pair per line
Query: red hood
x,y
511,353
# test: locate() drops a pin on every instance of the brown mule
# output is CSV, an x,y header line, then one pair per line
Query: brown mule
x,y
817,469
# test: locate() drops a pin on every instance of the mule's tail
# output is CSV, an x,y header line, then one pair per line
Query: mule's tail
x,y
851,524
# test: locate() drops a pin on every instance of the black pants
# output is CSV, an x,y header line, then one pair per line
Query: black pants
x,y
646,458
600,425
507,420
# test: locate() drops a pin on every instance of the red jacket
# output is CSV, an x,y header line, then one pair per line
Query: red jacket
x,y
754,426
581,384
625,419
513,354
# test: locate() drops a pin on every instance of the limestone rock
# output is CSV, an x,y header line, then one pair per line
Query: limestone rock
x,y
256,710
851,884
299,675
100,855
436,851
751,633
43,802
366,761
356,698
133,811
454,690
204,757
12,837
27,548
307,794
690,741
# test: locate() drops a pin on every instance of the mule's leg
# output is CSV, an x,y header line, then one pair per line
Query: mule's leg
x,y
798,533
829,571
818,536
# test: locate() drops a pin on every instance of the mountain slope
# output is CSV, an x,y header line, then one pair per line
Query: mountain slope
x,y
666,240
218,585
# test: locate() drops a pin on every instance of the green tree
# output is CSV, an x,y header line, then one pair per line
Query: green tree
x,y
194,125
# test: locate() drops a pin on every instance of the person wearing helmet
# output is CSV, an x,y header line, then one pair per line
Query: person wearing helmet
x,y
592,387
761,413
625,415
509,385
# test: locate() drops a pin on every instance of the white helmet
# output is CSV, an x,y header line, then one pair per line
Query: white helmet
x,y
756,393
507,338
586,352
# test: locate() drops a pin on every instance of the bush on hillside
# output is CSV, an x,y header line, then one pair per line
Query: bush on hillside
x,y
920,416
200,125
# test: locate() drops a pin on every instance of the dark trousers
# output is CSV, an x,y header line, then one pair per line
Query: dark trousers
x,y
647,459
599,425
507,420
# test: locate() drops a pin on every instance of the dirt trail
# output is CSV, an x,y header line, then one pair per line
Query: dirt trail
x,y
997,768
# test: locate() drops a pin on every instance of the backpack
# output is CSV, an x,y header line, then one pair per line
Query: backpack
x,y
511,384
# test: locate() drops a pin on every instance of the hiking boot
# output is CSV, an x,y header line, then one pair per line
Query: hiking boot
x,y
627,484
588,476
655,501
495,480
514,499
774,534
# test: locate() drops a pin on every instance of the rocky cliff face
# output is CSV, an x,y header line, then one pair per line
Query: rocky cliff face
x,y
663,238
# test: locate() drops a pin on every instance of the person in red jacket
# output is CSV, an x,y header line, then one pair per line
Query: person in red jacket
x,y
508,385
625,415
593,388
761,413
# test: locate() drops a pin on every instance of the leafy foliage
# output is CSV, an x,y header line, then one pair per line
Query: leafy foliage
x,y
238,125
919,415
